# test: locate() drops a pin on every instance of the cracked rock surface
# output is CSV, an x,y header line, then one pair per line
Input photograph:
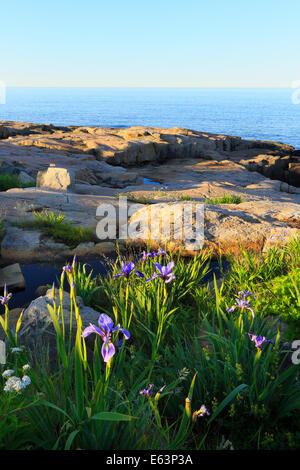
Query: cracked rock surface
x,y
183,166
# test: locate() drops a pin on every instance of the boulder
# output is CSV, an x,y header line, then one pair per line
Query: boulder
x,y
20,244
12,276
294,174
227,228
8,168
24,178
37,332
36,317
286,188
31,245
41,290
105,248
90,248
60,179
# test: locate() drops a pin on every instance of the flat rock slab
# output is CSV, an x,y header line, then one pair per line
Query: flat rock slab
x,y
12,276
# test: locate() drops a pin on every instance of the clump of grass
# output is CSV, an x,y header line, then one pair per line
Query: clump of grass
x,y
281,298
144,200
87,286
161,192
184,197
12,181
226,199
54,224
49,218
258,268
133,198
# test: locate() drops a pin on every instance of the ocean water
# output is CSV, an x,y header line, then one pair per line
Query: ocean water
x,y
266,114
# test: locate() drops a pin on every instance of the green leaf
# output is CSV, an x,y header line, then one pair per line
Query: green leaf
x,y
71,439
112,416
51,405
227,400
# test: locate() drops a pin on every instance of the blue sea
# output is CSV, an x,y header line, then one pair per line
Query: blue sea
x,y
266,114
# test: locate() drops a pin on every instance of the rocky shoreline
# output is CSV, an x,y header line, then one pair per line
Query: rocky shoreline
x,y
102,163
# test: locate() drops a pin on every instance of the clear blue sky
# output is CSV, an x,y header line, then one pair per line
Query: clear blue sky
x,y
185,43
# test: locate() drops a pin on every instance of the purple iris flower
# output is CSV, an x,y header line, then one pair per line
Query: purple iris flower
x,y
69,267
105,330
279,234
6,297
164,272
241,303
127,269
162,252
147,392
149,254
246,293
259,340
153,254
202,412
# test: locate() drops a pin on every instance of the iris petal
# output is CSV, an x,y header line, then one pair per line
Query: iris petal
x,y
127,268
92,329
153,277
138,273
158,266
170,266
105,323
107,351
125,333
171,277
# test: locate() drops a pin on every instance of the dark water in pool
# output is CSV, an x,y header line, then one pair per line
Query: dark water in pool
x,y
37,275
42,274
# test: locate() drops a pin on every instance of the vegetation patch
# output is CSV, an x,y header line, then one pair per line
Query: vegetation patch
x,y
133,198
174,363
184,197
281,297
12,181
55,225
226,199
